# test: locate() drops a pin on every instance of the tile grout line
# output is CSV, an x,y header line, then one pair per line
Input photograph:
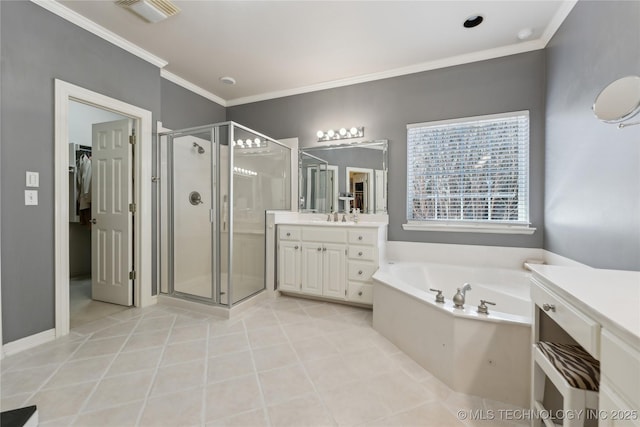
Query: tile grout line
x,y
203,410
95,387
55,371
307,376
265,413
155,371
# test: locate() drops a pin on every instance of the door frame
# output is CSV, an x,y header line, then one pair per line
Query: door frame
x,y
64,93
370,183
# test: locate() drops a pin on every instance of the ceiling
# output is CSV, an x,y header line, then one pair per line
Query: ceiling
x,y
279,48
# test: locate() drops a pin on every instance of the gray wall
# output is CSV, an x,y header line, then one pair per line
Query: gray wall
x,y
37,47
592,195
385,107
182,108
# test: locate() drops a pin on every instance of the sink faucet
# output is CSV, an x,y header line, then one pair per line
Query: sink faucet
x,y
459,297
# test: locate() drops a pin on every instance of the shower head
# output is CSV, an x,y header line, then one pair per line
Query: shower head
x,y
200,149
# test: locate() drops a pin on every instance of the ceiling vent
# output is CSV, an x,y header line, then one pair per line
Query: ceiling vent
x,y
151,10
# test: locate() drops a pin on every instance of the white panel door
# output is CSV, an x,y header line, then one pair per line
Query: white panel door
x,y
334,271
112,228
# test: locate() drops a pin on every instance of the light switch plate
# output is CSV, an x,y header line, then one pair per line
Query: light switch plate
x,y
33,179
30,197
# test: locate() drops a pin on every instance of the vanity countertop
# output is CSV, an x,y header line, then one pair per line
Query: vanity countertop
x,y
326,223
611,297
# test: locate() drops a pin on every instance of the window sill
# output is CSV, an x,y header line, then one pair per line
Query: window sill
x,y
471,228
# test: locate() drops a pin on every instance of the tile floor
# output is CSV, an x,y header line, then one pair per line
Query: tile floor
x,y
286,362
82,309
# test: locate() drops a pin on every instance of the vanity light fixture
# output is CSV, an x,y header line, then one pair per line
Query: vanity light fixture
x,y
244,172
249,143
342,133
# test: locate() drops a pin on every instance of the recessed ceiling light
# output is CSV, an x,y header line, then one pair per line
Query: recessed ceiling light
x,y
228,80
525,33
473,21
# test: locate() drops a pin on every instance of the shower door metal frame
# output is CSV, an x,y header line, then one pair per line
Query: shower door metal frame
x,y
216,210
215,289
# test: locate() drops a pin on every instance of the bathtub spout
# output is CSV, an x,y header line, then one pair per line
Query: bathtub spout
x,y
465,288
459,297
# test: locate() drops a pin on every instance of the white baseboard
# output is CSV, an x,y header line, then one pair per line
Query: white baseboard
x,y
26,343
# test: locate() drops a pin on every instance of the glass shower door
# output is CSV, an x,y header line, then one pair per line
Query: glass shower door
x,y
261,182
193,201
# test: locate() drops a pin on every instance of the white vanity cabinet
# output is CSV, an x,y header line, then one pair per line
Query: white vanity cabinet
x,y
619,381
329,261
599,310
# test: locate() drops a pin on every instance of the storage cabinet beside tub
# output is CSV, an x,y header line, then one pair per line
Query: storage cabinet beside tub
x,y
599,310
334,262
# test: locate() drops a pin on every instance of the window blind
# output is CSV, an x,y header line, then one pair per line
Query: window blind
x,y
474,169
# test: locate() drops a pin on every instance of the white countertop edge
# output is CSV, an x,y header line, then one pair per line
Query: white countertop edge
x,y
607,314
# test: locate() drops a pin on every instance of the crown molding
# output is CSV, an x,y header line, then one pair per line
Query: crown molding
x,y
87,24
192,87
512,49
64,12
561,14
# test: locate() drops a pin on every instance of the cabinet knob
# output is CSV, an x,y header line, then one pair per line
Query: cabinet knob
x,y
547,307
295,247
360,272
360,253
360,293
288,234
324,249
319,249
359,237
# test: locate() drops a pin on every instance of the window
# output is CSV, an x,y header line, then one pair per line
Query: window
x,y
469,173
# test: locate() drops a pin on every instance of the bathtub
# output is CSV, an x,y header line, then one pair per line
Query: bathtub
x,y
479,354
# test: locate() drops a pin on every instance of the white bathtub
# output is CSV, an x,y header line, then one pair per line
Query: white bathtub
x,y
484,355
508,288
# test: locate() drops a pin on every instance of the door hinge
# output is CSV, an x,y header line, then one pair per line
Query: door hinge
x,y
132,275
132,207
132,139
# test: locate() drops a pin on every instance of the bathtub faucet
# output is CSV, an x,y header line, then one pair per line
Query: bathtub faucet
x,y
459,297
465,288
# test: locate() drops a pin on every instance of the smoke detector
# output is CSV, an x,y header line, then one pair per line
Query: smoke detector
x,y
151,10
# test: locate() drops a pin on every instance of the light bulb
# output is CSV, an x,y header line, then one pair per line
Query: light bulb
x,y
354,131
320,134
257,142
249,143
330,133
343,131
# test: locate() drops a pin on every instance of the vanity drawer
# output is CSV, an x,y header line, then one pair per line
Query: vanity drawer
x,y
620,363
583,329
288,233
360,292
363,237
361,271
324,234
362,252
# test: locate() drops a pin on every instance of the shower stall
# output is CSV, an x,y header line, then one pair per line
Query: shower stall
x,y
221,178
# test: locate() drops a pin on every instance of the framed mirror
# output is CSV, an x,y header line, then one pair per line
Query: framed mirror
x,y
343,177
619,101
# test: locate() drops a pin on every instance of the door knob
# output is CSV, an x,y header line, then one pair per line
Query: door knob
x,y
94,221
